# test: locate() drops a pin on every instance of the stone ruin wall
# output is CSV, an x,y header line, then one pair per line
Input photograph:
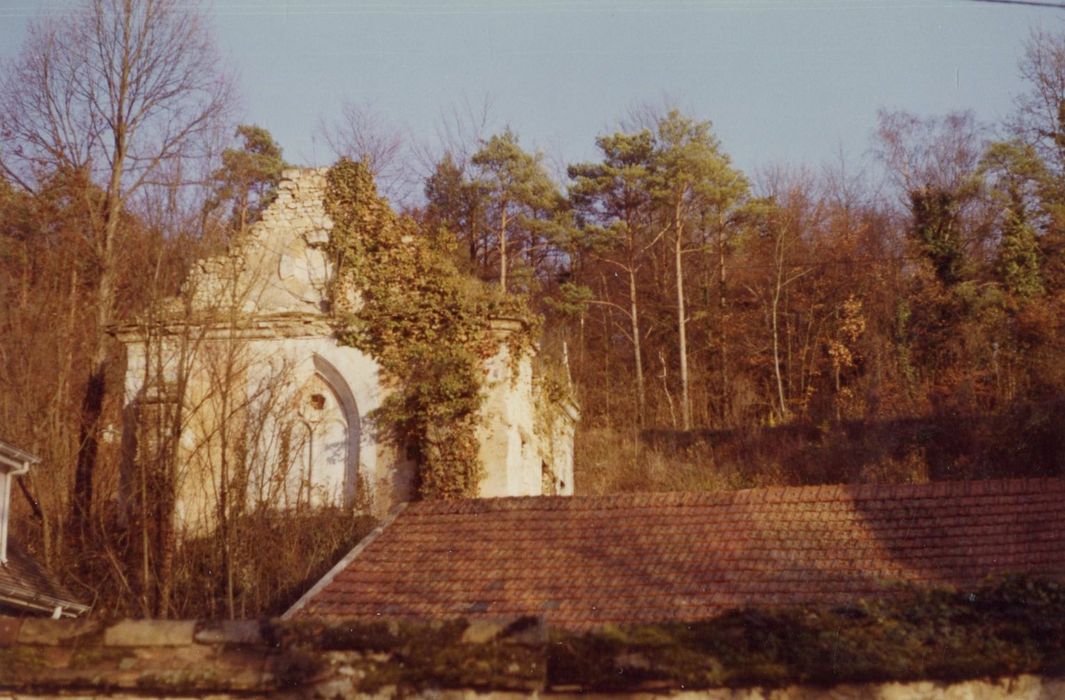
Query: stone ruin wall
x,y
270,292
280,266
526,440
269,659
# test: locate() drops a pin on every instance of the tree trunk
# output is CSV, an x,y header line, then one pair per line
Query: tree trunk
x,y
774,326
96,388
641,396
503,247
682,338
165,546
723,329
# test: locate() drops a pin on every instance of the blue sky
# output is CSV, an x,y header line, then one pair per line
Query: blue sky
x,y
783,81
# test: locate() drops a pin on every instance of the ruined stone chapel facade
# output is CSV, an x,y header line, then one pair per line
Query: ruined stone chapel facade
x,y
247,370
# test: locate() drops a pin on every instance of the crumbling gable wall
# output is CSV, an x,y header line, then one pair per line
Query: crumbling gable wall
x,y
263,386
249,350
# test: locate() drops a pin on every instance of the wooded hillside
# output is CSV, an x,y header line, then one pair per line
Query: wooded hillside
x,y
897,321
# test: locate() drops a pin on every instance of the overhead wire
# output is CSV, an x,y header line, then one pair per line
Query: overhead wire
x,y
1025,3
345,7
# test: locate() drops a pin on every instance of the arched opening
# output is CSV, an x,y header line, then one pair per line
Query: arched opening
x,y
320,443
327,460
322,446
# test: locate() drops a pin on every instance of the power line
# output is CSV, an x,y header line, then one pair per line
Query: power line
x,y
26,8
1027,3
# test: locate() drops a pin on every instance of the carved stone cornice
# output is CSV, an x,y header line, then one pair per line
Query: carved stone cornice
x,y
252,326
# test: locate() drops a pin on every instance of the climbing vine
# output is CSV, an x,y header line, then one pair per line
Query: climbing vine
x,y
398,296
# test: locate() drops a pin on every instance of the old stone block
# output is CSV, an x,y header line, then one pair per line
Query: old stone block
x,y
481,631
54,632
334,688
229,632
208,632
244,673
9,629
150,633
188,656
316,237
50,659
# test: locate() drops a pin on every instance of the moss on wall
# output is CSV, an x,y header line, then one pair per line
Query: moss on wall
x,y
1012,626
1006,628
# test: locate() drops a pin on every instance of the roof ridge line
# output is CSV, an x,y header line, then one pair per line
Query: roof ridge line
x,y
762,494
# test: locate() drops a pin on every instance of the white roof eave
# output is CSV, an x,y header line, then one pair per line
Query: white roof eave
x,y
15,460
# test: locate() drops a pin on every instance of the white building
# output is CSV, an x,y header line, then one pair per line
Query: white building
x,y
248,366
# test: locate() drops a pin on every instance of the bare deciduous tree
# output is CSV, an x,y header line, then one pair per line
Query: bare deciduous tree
x,y
1040,116
223,447
933,152
362,133
119,90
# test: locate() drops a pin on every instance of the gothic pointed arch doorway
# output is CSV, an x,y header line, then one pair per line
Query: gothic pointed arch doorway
x,y
328,436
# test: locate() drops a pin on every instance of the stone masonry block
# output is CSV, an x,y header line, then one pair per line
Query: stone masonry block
x,y
243,632
9,629
524,630
482,631
150,633
38,631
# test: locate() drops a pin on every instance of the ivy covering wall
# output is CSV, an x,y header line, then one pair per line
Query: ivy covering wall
x,y
398,296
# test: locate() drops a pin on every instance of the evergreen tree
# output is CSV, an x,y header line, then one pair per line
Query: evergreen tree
x,y
613,205
1017,181
456,205
248,176
522,203
694,185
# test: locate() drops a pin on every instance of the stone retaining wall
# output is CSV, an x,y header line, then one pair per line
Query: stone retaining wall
x,y
250,658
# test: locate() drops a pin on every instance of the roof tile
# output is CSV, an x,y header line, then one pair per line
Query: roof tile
x,y
582,561
26,584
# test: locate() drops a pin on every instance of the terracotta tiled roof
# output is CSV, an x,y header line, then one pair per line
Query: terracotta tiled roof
x,y
584,561
25,585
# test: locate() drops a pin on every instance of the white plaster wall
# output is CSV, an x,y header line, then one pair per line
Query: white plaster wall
x,y
269,296
388,479
507,429
285,365
5,502
557,446
518,451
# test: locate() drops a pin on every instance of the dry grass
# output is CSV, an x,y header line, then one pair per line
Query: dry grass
x,y
608,461
1023,441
